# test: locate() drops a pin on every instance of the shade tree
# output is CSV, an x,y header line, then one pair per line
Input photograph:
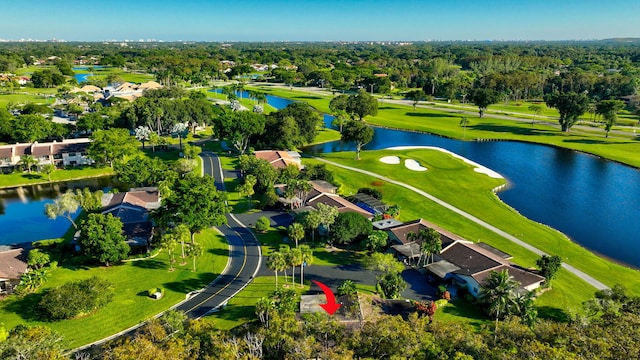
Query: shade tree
x,y
570,105
358,133
101,238
482,98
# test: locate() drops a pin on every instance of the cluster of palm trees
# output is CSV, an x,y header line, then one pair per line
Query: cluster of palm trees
x,y
503,298
285,257
430,244
181,235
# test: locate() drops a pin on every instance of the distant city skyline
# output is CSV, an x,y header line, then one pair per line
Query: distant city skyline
x,y
330,20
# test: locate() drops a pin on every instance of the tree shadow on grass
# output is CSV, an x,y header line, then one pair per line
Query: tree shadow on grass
x,y
430,115
548,312
463,308
26,307
309,97
386,108
32,176
237,313
516,130
221,252
150,264
188,285
339,257
591,141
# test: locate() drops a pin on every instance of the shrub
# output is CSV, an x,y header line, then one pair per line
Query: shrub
x,y
375,193
262,224
76,298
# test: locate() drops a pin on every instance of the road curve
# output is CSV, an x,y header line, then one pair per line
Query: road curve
x,y
242,266
582,275
244,256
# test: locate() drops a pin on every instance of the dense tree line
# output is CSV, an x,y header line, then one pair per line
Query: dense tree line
x,y
609,332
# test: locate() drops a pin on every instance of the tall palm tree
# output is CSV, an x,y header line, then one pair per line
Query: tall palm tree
x,y
294,258
296,232
193,251
182,234
169,242
28,162
499,293
307,259
276,263
430,243
464,122
526,308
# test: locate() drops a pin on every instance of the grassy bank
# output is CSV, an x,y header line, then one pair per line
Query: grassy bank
x,y
131,281
24,179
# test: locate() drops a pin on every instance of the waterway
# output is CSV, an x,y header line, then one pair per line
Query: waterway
x,y
595,202
22,217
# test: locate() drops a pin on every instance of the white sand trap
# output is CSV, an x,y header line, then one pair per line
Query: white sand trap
x,y
478,168
393,160
414,165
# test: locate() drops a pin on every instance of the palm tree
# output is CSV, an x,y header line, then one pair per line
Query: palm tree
x,y
169,242
294,258
28,162
193,251
499,292
464,122
430,243
307,259
276,263
536,109
48,169
296,232
526,307
182,234
260,97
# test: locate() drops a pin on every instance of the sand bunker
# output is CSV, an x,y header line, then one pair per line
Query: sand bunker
x,y
477,167
414,165
394,160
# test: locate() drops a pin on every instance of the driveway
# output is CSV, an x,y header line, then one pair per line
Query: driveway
x,y
277,218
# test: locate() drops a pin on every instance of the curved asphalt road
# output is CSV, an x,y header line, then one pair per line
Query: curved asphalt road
x,y
244,257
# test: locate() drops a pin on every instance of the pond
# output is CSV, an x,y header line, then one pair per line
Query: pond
x,y
22,217
84,77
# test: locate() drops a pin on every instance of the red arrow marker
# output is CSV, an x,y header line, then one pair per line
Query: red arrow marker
x,y
331,306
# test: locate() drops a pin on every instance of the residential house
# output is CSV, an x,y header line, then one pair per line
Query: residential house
x,y
460,261
132,208
12,265
280,158
323,192
69,152
129,91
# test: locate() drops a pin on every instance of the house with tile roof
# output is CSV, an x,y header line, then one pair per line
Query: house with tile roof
x,y
132,208
460,261
280,158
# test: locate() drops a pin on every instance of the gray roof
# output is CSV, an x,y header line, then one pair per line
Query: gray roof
x,y
442,268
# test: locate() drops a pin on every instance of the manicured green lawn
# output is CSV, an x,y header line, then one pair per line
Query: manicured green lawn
x,y
101,73
20,179
21,99
131,281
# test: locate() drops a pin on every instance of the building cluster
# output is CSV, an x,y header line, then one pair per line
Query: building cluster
x,y
69,152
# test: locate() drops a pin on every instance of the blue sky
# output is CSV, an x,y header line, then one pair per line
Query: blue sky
x,y
304,20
